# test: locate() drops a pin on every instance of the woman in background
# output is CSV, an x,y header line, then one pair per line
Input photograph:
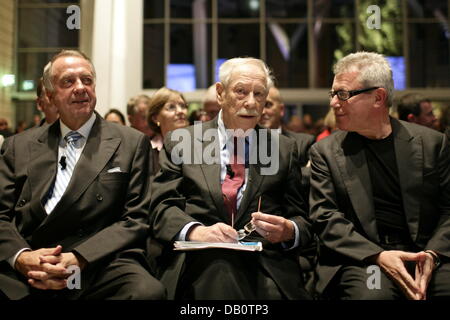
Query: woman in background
x,y
167,111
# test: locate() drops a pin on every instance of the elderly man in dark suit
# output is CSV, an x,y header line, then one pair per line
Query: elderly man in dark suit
x,y
75,197
380,194
193,199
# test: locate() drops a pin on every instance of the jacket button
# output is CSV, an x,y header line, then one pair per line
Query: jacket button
x,y
99,197
22,202
80,232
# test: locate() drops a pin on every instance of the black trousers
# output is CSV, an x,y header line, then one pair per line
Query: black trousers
x,y
227,275
125,277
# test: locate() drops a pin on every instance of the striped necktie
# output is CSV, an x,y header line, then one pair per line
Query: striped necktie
x,y
64,172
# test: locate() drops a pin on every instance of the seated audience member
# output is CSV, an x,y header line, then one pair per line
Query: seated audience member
x,y
330,125
209,201
415,108
137,108
271,118
167,111
75,196
380,194
4,129
114,115
198,115
210,104
43,103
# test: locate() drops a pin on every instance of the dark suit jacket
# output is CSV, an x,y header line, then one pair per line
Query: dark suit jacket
x,y
184,193
304,142
100,214
341,197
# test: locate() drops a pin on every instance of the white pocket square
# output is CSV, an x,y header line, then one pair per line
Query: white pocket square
x,y
116,169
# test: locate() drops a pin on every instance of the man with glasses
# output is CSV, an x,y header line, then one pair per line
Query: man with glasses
x,y
380,194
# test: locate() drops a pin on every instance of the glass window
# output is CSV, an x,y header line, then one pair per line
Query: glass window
x,y
153,9
190,9
238,40
428,9
53,33
42,32
287,53
429,55
153,56
286,9
334,9
238,8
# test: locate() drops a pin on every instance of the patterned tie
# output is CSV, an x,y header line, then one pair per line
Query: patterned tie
x,y
64,172
233,182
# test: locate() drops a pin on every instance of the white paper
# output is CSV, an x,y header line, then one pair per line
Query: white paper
x,y
197,245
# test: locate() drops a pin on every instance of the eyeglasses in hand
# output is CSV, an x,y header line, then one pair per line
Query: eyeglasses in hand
x,y
248,228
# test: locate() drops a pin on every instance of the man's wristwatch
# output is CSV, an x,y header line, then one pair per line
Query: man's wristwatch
x,y
437,261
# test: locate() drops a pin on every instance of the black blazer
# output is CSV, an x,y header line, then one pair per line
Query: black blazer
x,y
100,214
341,197
304,142
184,193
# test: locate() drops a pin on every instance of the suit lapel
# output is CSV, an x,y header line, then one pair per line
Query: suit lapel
x,y
211,172
99,148
352,164
42,170
408,153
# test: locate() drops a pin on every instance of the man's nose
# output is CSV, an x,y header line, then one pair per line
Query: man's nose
x,y
79,86
251,101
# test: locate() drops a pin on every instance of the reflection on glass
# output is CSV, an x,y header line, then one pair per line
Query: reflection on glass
x,y
287,53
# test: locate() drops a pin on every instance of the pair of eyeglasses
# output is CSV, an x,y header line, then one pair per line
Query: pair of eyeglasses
x,y
344,95
248,228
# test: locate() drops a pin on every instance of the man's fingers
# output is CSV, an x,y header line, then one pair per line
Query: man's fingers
x,y
52,251
50,259
269,218
50,284
57,270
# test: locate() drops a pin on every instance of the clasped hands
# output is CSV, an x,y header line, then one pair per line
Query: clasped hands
x,y
47,268
274,228
392,262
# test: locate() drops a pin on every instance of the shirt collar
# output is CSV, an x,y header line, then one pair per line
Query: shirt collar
x,y
225,135
157,142
84,130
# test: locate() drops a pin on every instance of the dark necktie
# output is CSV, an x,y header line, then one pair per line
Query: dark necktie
x,y
234,180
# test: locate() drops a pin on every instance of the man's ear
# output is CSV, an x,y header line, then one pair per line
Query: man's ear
x,y
282,110
380,97
411,118
219,93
